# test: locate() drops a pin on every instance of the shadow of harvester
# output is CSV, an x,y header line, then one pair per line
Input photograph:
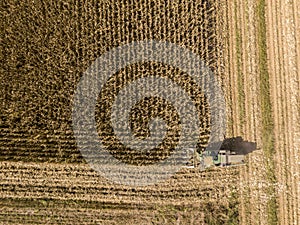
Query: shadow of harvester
x,y
238,145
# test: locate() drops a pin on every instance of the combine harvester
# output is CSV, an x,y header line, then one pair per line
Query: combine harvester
x,y
232,153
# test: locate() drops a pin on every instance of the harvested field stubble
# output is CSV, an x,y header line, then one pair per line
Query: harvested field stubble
x,y
39,187
263,59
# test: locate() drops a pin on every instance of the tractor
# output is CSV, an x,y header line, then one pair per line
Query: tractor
x,y
232,153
